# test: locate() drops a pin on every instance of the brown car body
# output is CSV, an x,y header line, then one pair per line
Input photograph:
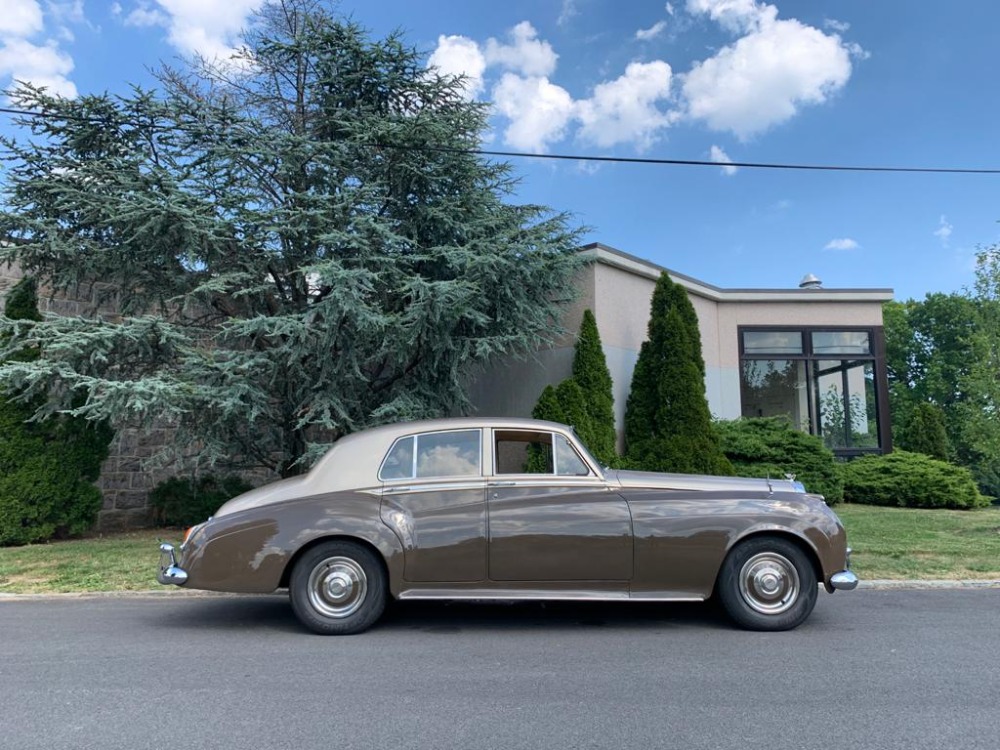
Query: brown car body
x,y
497,534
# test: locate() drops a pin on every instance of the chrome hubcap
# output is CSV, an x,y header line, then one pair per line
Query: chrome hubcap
x,y
337,587
769,583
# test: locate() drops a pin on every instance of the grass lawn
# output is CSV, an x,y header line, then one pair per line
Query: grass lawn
x,y
887,542
906,543
113,562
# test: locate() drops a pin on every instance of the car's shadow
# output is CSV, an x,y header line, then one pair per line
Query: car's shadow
x,y
273,612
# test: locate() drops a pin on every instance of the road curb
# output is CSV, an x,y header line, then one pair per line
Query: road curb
x,y
886,584
890,583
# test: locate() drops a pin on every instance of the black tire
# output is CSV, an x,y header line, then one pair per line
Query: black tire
x,y
338,588
767,583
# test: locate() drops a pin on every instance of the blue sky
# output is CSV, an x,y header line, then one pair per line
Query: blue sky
x,y
856,82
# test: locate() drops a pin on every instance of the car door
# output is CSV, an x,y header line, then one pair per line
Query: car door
x,y
551,516
434,498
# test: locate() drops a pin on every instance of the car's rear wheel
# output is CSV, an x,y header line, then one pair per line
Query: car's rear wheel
x,y
338,588
767,583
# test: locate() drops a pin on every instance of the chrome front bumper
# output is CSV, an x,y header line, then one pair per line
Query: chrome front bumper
x,y
170,571
845,580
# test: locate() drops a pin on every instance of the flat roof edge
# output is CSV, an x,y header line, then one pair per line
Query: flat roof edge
x,y
616,258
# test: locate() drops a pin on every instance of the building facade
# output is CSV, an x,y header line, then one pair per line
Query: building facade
x,y
812,355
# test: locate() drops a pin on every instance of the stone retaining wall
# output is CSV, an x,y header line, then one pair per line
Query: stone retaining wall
x,y
124,482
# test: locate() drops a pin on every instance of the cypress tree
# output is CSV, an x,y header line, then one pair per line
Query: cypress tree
x,y
548,406
668,426
590,371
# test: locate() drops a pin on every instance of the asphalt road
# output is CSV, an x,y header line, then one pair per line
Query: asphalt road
x,y
869,670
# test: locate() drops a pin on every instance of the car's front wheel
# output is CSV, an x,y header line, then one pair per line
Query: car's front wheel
x,y
767,583
338,588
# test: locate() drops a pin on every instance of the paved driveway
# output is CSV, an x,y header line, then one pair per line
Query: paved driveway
x,y
870,669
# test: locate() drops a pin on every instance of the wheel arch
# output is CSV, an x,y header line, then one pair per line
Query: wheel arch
x,y
286,574
803,543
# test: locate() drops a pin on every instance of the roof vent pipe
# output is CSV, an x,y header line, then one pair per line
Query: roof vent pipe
x,y
810,281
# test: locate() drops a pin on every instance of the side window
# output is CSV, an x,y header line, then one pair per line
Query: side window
x,y
436,454
523,452
449,454
398,464
568,461
526,452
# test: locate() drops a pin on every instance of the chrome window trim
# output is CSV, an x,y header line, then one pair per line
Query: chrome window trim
x,y
415,437
584,455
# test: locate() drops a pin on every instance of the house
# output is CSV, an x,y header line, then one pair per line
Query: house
x,y
815,356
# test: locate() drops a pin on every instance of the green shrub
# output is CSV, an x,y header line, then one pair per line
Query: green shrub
x,y
910,480
47,468
771,447
182,501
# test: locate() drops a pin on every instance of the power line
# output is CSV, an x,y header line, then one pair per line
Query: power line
x,y
605,159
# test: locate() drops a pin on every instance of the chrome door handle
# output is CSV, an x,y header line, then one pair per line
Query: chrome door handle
x,y
503,484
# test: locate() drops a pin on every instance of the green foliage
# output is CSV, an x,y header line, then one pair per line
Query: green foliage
x,y
311,252
47,467
584,400
21,302
590,370
182,501
924,432
667,422
945,350
771,447
910,480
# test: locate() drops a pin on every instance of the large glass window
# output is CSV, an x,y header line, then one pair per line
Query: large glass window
x,y
798,375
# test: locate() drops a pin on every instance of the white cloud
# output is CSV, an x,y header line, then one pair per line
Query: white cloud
x,y
625,110
144,16
644,35
538,110
20,18
841,27
943,232
844,243
566,12
771,71
205,27
669,8
459,55
525,53
716,154
43,65
763,78
736,16
629,109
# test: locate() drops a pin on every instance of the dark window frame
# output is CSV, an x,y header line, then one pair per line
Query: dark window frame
x,y
876,355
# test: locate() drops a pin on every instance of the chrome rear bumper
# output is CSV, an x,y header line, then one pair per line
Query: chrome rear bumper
x,y
170,571
845,580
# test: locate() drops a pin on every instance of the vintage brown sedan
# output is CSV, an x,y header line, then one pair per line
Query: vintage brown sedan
x,y
512,509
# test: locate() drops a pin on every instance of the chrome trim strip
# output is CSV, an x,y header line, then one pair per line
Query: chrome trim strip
x,y
519,595
478,484
513,594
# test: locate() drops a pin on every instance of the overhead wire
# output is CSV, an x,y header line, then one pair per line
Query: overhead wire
x,y
607,159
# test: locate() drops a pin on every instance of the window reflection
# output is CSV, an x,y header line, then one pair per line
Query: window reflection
x,y
791,374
